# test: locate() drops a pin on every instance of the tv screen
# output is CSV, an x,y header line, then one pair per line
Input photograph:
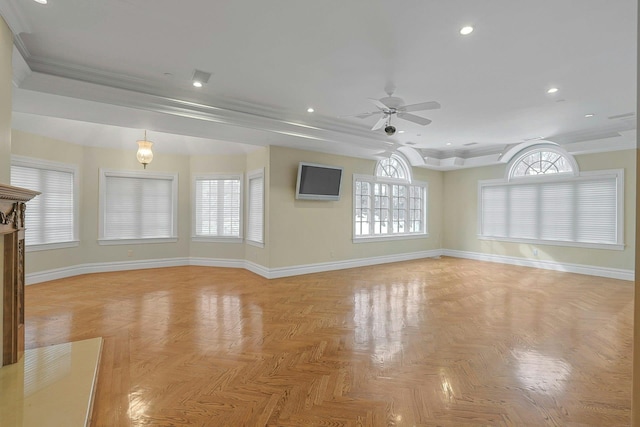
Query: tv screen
x,y
318,182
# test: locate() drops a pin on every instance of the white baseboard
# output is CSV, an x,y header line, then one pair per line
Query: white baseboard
x,y
274,273
296,270
612,273
101,267
216,262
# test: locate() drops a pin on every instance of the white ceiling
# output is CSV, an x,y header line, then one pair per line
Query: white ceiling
x,y
100,72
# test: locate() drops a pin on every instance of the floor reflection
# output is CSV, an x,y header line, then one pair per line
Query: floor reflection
x,y
540,373
380,315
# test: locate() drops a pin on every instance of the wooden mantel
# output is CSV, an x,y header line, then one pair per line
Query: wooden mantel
x,y
12,213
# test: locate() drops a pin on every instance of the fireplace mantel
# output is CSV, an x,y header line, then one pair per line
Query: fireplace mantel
x,y
12,222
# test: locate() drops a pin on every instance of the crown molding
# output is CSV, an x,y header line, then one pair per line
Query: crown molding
x,y
82,83
20,67
14,18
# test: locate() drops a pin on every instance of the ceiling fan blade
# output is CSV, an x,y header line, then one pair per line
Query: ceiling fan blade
x,y
361,115
378,104
415,119
431,105
381,122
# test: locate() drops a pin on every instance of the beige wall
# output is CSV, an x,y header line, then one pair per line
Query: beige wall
x,y
302,232
90,160
6,50
6,85
461,203
307,232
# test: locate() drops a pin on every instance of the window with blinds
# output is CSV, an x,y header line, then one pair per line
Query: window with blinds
x,y
51,217
137,207
585,210
218,207
255,216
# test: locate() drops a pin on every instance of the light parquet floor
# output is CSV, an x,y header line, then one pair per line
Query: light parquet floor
x,y
434,342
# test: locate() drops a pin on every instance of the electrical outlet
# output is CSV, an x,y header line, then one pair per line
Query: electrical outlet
x,y
129,253
535,251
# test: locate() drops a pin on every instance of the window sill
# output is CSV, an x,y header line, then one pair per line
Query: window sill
x,y
216,239
108,242
52,246
256,244
609,246
378,238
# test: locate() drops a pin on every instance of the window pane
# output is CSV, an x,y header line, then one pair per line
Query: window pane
x,y
391,209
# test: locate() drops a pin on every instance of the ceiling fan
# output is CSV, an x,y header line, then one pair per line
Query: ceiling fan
x,y
392,105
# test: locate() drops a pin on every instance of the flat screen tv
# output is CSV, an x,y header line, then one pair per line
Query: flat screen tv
x,y
318,182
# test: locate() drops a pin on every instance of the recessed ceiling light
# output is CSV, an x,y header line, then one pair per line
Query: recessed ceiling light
x,y
589,115
41,1
466,30
552,90
310,110
200,78
400,131
448,143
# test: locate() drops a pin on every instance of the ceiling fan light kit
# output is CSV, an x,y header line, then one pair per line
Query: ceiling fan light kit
x,y
392,105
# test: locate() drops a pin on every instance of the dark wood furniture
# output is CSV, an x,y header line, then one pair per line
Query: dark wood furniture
x,y
12,212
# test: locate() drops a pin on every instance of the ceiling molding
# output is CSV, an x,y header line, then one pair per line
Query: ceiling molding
x,y
20,67
61,86
14,18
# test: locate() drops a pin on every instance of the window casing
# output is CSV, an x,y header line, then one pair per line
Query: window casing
x,y
51,217
552,203
389,206
138,207
255,214
217,211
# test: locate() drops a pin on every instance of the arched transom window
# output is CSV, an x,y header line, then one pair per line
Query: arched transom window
x,y
393,167
542,161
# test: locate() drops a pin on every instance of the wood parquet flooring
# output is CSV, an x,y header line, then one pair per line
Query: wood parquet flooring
x,y
433,342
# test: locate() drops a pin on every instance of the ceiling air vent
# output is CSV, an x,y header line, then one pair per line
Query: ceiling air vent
x,y
469,144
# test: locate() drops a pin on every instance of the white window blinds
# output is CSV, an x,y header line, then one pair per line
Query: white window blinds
x,y
138,206
218,207
255,226
582,210
51,216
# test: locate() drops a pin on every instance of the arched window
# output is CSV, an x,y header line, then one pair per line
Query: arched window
x,y
393,167
542,161
389,205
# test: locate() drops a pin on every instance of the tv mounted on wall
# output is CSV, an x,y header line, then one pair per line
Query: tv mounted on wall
x,y
318,182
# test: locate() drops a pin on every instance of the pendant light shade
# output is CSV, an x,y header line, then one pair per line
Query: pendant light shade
x,y
145,155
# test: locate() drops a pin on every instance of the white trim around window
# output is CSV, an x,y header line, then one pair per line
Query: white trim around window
x,y
585,211
255,208
52,218
137,207
217,208
389,209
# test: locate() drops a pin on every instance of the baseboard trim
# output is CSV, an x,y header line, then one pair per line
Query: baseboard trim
x,y
278,272
274,273
590,270
101,267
